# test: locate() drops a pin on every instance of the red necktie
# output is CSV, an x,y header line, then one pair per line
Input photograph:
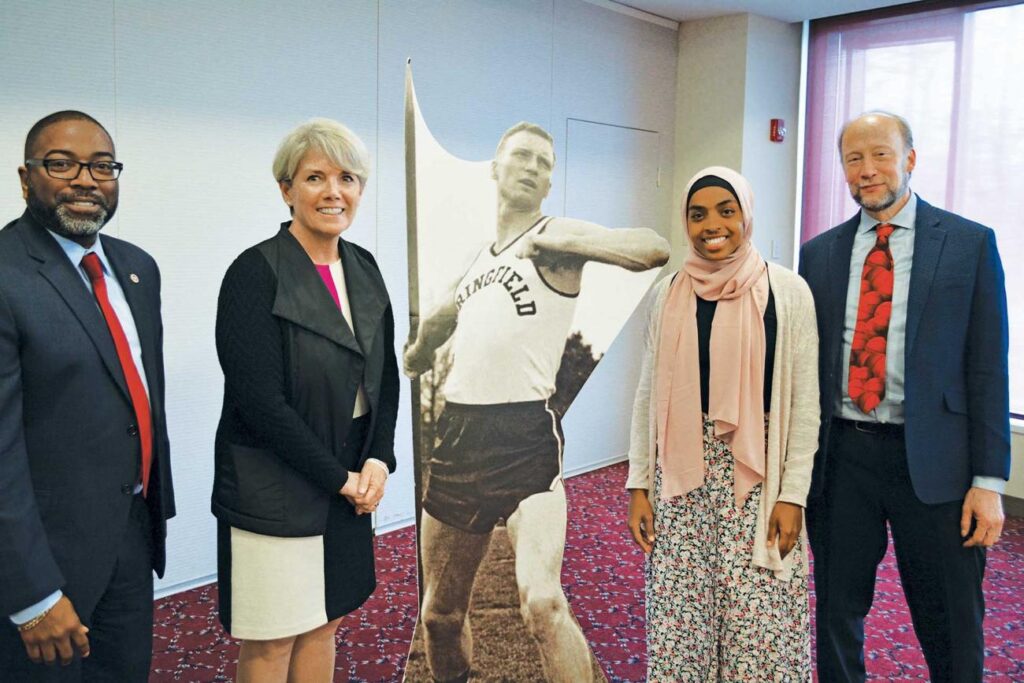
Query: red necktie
x,y
140,403
867,356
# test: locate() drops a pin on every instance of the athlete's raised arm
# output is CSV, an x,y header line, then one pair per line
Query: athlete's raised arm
x,y
568,243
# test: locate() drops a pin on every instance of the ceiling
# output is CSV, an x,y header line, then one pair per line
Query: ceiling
x,y
783,10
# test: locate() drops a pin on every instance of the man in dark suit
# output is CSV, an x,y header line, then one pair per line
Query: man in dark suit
x,y
85,485
915,432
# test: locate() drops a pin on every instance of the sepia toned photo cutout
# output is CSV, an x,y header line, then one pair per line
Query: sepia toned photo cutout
x,y
510,312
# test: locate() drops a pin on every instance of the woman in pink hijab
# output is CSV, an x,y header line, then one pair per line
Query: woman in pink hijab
x,y
725,426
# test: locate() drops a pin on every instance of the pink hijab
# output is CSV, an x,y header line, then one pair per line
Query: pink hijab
x,y
739,284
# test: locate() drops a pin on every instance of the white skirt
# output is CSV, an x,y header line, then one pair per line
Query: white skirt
x,y
277,585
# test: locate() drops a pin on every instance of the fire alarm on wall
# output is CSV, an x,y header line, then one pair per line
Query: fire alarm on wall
x,y
778,131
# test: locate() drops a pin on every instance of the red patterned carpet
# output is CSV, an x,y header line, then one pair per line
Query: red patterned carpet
x,y
603,580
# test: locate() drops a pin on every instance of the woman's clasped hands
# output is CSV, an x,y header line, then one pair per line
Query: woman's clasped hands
x,y
364,489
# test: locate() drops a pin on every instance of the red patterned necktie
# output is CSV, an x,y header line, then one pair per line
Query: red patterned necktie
x,y
867,356
136,390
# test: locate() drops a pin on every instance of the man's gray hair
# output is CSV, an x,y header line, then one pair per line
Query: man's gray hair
x,y
333,139
529,128
901,123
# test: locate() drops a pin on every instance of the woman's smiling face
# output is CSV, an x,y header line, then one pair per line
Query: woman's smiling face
x,y
323,197
714,223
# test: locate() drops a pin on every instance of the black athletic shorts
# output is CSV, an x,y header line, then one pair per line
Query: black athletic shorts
x,y
491,458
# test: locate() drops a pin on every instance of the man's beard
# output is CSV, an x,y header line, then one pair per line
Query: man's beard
x,y
890,198
60,220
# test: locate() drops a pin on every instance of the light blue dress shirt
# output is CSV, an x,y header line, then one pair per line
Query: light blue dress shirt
x,y
115,294
901,245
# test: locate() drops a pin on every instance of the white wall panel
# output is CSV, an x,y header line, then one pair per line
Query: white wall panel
x,y
611,179
772,92
618,73
613,68
46,70
619,70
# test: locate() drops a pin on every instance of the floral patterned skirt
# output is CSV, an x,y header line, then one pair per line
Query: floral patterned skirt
x,y
711,614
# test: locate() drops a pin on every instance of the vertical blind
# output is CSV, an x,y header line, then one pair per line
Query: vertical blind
x,y
954,71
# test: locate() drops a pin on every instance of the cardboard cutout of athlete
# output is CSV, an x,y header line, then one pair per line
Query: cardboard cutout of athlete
x,y
499,445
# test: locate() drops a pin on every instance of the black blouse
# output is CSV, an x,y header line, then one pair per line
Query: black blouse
x,y
705,315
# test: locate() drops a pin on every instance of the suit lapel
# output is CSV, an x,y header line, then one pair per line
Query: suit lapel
x,y
928,240
63,276
302,297
838,274
365,294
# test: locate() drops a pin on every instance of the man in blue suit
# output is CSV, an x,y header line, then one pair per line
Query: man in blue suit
x,y
911,310
85,485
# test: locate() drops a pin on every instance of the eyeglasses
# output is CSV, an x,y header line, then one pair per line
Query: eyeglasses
x,y
69,169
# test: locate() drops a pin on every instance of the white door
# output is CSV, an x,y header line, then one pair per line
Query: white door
x,y
612,176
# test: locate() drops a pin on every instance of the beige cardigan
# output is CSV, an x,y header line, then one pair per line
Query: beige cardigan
x,y
794,410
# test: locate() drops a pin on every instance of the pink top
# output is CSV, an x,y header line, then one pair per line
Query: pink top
x,y
328,278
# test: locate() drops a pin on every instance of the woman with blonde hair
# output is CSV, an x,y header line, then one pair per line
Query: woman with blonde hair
x,y
305,337
725,426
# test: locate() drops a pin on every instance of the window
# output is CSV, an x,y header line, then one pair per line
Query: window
x,y
953,72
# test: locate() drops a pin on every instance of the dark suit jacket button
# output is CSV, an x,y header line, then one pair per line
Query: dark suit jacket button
x,y
133,430
126,489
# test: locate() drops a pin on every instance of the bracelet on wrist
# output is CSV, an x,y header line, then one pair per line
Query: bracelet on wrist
x,y
34,621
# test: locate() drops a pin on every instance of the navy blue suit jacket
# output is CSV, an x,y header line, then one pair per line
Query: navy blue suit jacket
x,y
69,448
956,405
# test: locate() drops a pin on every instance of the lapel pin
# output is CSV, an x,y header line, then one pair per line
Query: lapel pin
x,y
134,278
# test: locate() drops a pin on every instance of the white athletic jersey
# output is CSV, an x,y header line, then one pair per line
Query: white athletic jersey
x,y
511,330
